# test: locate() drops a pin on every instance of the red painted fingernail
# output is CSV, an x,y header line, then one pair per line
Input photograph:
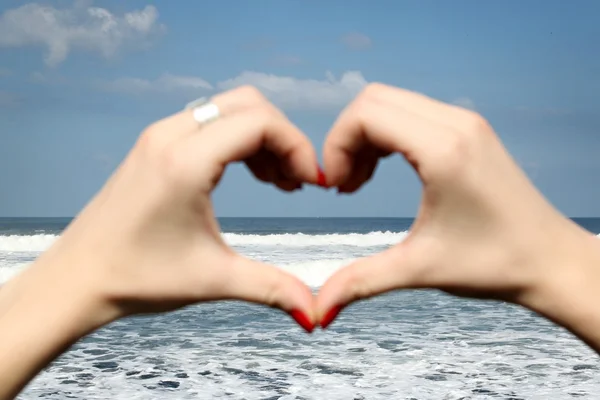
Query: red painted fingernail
x,y
330,316
302,320
321,180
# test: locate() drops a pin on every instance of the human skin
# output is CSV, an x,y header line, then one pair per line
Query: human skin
x,y
482,230
149,242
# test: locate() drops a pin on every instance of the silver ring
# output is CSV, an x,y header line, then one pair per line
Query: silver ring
x,y
203,110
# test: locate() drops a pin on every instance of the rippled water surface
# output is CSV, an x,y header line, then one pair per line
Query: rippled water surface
x,y
404,345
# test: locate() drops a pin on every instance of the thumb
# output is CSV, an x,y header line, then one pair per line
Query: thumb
x,y
395,268
261,283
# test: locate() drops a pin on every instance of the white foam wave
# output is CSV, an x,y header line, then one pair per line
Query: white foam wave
x,y
315,273
36,243
370,239
21,243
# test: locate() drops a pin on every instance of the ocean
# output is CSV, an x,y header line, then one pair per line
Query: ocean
x,y
419,344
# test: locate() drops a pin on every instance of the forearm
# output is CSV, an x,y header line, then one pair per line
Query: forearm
x,y
569,294
42,313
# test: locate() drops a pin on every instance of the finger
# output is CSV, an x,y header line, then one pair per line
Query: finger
x,y
260,167
388,128
392,269
241,100
250,99
267,167
417,103
244,134
228,103
365,164
256,282
360,177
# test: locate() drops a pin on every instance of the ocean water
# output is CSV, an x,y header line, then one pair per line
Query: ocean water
x,y
403,345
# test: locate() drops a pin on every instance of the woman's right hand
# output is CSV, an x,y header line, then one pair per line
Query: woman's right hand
x,y
482,230
149,241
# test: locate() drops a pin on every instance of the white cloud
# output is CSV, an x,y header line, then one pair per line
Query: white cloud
x,y
290,92
284,91
357,41
81,27
166,83
465,102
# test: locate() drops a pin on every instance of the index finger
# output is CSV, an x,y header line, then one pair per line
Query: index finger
x,y
369,121
240,135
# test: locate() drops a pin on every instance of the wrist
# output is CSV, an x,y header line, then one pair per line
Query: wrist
x,y
43,311
67,291
567,290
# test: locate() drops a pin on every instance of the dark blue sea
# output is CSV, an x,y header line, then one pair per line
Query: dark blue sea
x,y
403,345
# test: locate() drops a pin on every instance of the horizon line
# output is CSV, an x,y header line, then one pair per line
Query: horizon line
x,y
272,217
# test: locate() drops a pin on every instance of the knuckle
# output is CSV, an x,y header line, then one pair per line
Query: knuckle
x,y
251,94
264,113
374,90
264,117
475,124
149,142
164,156
458,147
362,107
451,156
171,165
361,103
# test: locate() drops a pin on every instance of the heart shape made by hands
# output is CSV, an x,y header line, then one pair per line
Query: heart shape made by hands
x,y
478,231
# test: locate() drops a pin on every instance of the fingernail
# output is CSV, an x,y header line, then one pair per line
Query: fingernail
x,y
330,316
321,180
302,320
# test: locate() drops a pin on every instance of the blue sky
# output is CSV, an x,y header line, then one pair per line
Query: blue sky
x,y
80,80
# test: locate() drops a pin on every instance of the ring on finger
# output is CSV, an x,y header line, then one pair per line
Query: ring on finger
x,y
203,110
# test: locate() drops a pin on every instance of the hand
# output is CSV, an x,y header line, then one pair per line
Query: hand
x,y
482,229
149,242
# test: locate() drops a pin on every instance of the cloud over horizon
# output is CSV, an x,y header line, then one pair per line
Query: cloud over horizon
x,y
80,27
285,91
166,83
296,93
